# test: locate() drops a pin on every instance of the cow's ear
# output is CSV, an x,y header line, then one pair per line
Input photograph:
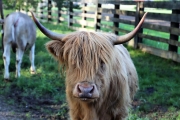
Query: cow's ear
x,y
55,48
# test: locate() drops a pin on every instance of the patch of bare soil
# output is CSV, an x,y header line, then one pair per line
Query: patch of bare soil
x,y
34,110
153,111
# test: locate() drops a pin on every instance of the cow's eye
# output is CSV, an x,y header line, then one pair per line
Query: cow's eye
x,y
102,65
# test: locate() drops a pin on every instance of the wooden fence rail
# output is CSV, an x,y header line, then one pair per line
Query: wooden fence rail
x,y
159,34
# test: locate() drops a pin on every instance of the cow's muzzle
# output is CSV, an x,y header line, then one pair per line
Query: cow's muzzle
x,y
86,91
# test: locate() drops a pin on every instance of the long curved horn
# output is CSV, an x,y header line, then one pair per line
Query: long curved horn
x,y
129,36
45,31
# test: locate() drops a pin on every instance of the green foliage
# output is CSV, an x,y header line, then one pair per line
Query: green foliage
x,y
65,3
61,3
19,4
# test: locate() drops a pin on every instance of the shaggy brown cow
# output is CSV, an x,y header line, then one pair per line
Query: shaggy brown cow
x,y
101,79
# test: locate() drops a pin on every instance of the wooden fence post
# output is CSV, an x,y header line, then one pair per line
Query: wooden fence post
x,y
98,21
116,24
174,48
70,14
83,15
41,11
59,15
139,13
49,10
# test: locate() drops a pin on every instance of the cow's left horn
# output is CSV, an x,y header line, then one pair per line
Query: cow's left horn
x,y
129,36
45,31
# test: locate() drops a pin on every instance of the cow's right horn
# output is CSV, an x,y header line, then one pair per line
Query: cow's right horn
x,y
45,31
125,38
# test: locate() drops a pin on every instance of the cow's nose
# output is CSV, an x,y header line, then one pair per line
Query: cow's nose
x,y
85,91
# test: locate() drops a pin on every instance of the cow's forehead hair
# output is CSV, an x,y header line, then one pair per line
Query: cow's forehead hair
x,y
87,50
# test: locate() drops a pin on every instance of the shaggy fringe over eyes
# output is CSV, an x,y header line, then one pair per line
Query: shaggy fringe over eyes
x,y
86,51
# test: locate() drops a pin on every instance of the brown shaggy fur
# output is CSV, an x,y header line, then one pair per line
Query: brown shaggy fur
x,y
91,56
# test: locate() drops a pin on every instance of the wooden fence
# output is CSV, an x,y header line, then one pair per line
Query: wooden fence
x,y
159,34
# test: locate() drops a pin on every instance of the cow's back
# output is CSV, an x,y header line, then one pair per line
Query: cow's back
x,y
123,86
20,29
130,68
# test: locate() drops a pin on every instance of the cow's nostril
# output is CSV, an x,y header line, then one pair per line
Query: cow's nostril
x,y
79,89
92,90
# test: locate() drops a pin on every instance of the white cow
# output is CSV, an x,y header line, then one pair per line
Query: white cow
x,y
20,34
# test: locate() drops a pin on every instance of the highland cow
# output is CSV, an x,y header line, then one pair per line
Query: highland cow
x,y
20,35
101,79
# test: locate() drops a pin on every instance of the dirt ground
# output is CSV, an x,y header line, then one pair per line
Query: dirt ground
x,y
41,110
10,112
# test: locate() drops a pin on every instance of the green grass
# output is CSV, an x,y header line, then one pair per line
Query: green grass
x,y
159,86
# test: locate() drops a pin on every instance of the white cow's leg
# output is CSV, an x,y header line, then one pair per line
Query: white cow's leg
x,y
6,59
32,57
19,56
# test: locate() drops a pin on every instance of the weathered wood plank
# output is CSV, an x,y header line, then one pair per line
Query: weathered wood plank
x,y
62,19
83,22
159,27
90,8
90,15
161,53
64,12
163,5
112,19
158,39
116,11
165,17
111,28
117,2
81,29
77,14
